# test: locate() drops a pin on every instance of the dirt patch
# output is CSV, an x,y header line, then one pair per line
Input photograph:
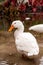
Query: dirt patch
x,y
9,53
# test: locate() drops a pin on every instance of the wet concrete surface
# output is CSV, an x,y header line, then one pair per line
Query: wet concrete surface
x,y
9,54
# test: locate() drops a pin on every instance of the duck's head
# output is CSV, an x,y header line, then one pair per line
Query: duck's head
x,y
16,24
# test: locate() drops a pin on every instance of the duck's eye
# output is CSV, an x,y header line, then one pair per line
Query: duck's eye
x,y
14,23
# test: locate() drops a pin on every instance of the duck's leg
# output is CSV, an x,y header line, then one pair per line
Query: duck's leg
x,y
24,56
27,55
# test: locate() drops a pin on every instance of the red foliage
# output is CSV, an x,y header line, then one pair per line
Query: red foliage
x,y
13,2
22,7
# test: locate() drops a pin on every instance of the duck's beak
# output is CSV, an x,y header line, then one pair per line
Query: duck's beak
x,y
11,28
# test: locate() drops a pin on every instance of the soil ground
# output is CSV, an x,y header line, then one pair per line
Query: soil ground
x,y
9,54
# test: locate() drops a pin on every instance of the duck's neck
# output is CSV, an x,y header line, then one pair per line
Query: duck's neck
x,y
19,31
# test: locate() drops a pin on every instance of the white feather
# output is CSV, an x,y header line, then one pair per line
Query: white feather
x,y
25,42
37,28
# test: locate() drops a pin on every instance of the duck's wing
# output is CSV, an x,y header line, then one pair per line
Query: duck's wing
x,y
26,42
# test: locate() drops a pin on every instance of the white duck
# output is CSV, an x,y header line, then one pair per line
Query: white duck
x,y
25,42
37,28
